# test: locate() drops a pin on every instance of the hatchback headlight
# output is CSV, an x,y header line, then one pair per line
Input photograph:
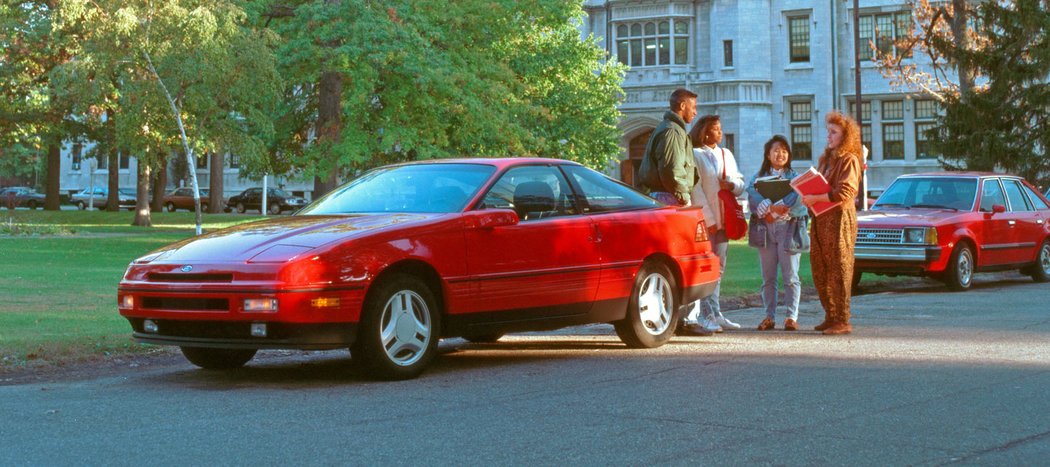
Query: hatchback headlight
x,y
920,235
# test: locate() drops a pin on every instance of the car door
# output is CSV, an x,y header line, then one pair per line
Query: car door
x,y
547,265
998,242
1025,221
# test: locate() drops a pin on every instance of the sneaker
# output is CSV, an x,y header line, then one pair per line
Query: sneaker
x,y
766,324
790,325
710,325
725,323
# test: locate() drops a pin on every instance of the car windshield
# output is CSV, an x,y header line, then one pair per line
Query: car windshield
x,y
929,192
125,191
279,192
430,188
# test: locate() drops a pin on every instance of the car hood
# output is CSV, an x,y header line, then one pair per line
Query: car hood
x,y
281,239
906,217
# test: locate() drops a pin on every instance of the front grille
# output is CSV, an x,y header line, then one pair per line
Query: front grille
x,y
880,236
183,277
185,304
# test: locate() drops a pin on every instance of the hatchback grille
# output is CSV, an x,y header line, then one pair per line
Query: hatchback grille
x,y
880,236
185,304
182,277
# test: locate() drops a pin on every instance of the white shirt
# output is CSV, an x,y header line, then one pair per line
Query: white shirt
x,y
705,194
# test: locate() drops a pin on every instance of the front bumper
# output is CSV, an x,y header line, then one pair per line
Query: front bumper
x,y
238,335
902,260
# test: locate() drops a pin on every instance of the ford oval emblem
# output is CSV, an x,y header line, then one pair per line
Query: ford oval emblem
x,y
871,235
186,268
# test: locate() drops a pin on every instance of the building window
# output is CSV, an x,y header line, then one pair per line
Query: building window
x,y
892,130
727,48
926,111
125,161
730,141
865,123
235,161
798,38
78,153
801,117
653,43
101,161
882,31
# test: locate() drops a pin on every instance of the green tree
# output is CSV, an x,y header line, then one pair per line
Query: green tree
x,y
381,82
181,74
1005,123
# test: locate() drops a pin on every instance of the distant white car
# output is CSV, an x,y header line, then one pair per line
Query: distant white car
x,y
125,198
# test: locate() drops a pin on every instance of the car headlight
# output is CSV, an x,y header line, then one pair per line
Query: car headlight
x,y
920,235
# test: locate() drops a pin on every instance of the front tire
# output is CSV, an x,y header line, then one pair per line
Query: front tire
x,y
170,206
1041,268
217,359
31,204
400,327
275,209
651,316
241,208
81,206
959,275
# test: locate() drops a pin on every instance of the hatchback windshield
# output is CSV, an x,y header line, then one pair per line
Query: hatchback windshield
x,y
432,188
929,192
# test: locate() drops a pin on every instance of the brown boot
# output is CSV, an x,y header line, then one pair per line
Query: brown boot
x,y
838,328
766,325
790,325
828,322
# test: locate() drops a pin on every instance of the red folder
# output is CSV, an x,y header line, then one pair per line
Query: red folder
x,y
812,182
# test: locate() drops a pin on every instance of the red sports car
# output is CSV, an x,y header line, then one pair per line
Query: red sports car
x,y
407,254
951,225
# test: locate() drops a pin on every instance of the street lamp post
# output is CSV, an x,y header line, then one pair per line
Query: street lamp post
x,y
92,165
858,106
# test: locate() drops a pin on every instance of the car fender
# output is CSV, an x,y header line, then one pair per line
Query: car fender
x,y
961,233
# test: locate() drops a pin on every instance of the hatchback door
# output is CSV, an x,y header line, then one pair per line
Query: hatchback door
x,y
546,266
999,242
1027,222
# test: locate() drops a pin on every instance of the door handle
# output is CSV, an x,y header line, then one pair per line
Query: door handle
x,y
1011,223
597,237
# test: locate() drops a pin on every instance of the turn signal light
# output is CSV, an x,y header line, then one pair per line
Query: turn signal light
x,y
325,302
701,232
127,301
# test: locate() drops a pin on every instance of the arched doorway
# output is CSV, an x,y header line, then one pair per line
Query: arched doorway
x,y
635,152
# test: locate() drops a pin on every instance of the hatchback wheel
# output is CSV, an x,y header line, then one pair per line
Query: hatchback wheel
x,y
81,206
241,208
1041,268
170,206
959,275
31,204
217,359
400,327
275,209
651,309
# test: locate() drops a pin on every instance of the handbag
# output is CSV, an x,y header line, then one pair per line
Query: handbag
x,y
732,212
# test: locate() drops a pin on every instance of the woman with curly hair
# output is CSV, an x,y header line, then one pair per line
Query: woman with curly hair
x,y
834,232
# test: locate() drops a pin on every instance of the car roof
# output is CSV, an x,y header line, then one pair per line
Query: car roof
x,y
965,174
499,162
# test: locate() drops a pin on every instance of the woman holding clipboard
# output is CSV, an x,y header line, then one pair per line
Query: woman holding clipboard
x,y
778,229
835,231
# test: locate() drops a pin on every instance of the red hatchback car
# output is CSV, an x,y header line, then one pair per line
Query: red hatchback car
x,y
951,225
407,254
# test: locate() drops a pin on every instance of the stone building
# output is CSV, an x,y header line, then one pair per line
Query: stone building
x,y
766,67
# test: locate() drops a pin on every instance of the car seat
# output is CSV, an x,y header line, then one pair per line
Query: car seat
x,y
533,200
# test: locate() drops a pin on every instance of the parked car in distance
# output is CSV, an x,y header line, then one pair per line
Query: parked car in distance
x,y
22,197
405,255
277,201
182,198
951,225
125,198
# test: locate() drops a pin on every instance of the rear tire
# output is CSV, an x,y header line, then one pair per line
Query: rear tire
x,y
651,309
400,328
217,359
1041,268
81,206
275,209
959,275
241,208
170,206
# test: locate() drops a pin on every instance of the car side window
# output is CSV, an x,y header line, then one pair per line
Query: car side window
x,y
991,194
1036,200
602,194
1018,201
534,192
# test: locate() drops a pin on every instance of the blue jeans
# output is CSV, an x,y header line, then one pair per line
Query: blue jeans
x,y
709,306
775,258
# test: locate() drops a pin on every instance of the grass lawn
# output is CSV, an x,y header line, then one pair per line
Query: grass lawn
x,y
58,293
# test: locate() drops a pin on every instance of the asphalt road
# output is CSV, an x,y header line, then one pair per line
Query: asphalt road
x,y
928,378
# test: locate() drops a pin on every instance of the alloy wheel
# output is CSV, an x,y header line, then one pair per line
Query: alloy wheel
x,y
405,327
655,304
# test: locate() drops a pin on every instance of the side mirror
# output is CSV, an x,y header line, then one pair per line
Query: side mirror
x,y
490,218
998,208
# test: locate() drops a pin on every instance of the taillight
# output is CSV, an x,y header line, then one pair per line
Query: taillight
x,y
701,232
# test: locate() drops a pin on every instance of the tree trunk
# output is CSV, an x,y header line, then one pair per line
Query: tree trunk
x,y
113,181
160,185
960,17
142,212
52,201
329,127
216,203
